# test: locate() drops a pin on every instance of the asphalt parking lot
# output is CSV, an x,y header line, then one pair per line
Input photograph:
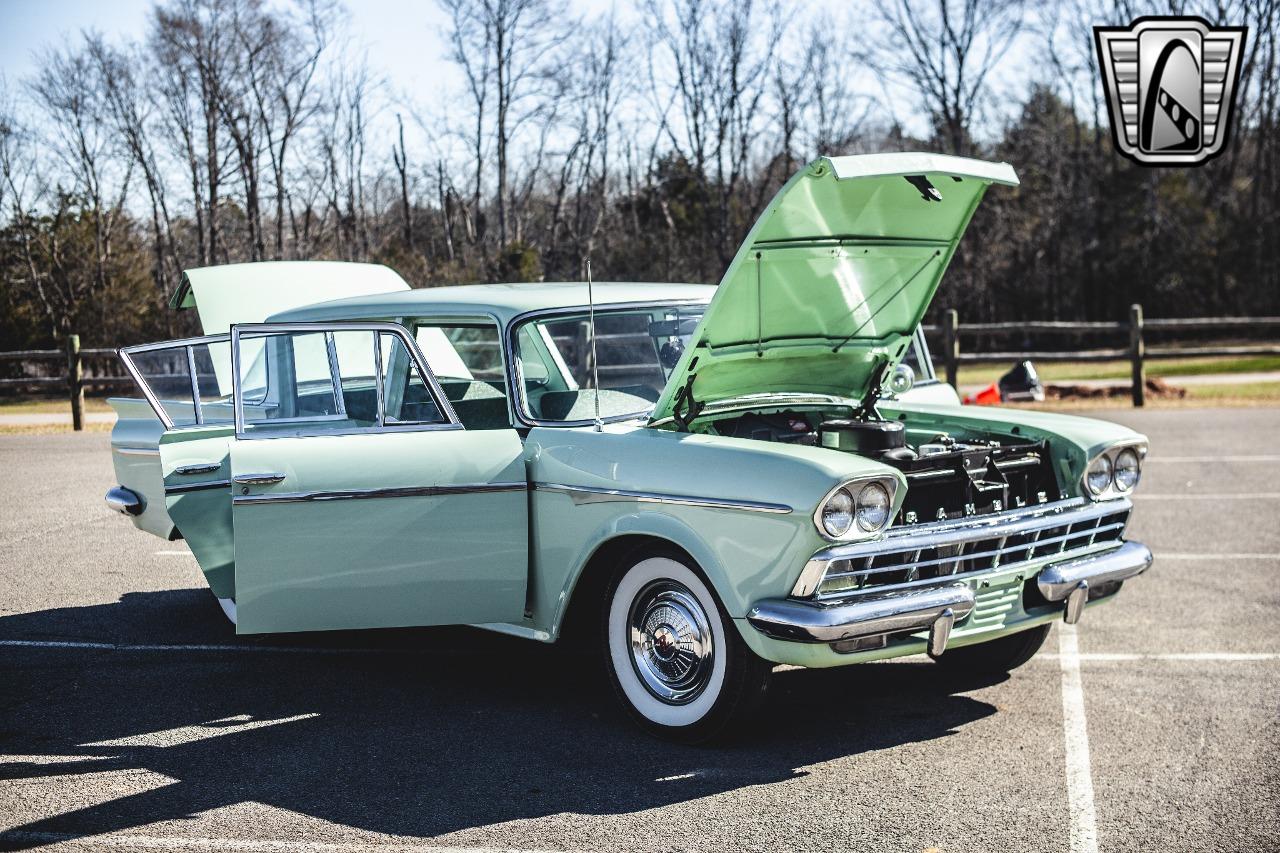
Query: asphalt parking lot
x,y
132,718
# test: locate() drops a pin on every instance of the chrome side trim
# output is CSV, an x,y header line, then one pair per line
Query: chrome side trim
x,y
263,478
895,613
957,532
197,468
137,451
1058,580
197,487
364,494
124,501
592,494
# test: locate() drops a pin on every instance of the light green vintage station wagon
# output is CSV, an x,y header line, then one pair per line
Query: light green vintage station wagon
x,y
708,481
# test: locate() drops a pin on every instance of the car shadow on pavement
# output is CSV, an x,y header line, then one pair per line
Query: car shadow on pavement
x,y
415,733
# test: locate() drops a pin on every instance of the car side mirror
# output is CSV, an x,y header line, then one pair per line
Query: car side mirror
x,y
902,380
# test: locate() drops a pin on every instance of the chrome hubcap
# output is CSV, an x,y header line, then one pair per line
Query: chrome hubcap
x,y
671,644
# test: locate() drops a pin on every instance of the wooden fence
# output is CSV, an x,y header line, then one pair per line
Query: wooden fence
x,y
1132,333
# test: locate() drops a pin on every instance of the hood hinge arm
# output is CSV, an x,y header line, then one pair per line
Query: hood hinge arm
x,y
684,408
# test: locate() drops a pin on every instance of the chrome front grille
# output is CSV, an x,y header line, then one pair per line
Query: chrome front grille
x,y
925,554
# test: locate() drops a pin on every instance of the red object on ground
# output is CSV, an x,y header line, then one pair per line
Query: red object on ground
x,y
989,396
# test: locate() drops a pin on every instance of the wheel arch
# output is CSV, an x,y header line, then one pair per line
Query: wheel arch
x,y
631,534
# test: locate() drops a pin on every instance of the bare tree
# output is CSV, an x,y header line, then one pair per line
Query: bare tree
x,y
69,92
945,51
506,49
400,156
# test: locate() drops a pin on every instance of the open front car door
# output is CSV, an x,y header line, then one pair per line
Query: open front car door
x,y
358,499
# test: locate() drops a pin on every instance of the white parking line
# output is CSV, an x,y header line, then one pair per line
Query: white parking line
x,y
183,553
1084,820
1161,555
129,841
455,652
1234,496
1177,459
229,647
1224,657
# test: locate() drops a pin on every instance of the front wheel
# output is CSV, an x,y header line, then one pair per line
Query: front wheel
x,y
675,662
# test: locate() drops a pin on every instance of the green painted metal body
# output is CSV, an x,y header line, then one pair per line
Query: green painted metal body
x,y
512,560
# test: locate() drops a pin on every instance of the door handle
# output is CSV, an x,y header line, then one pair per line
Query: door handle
x,y
263,479
197,468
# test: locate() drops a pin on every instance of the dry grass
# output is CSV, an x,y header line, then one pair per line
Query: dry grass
x,y
1247,395
49,405
1120,370
50,429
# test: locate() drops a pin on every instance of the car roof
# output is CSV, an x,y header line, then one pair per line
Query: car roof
x,y
502,301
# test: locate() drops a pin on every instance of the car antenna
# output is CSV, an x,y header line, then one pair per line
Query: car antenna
x,y
591,333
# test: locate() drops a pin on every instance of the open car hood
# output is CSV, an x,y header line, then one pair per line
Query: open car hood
x,y
832,280
250,293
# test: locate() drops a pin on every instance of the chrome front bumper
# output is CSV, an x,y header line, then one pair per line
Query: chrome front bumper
x,y
894,613
1069,581
937,608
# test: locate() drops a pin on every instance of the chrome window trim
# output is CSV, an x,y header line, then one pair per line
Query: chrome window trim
x,y
515,382
957,532
413,322
184,488
126,356
390,492
442,403
195,384
331,350
595,494
926,357
379,393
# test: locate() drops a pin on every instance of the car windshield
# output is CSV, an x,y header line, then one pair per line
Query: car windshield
x,y
636,350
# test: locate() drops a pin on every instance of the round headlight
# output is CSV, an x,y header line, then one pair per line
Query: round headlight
x,y
1128,469
873,507
837,514
1098,477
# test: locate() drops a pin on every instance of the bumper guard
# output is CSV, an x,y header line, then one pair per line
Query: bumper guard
x,y
938,608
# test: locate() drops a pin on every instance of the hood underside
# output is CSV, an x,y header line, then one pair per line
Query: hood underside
x,y
832,280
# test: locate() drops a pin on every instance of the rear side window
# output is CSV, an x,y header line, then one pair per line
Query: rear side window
x,y
466,359
187,382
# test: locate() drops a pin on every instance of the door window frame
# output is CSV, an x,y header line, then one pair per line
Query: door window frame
x,y
126,355
442,404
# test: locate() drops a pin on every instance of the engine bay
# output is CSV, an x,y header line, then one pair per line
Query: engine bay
x,y
949,476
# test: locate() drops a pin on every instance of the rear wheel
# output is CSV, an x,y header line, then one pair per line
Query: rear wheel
x,y
996,656
675,661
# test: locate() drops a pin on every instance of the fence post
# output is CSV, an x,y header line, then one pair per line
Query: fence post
x,y
1137,350
951,346
75,381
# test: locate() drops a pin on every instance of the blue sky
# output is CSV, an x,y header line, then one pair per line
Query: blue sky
x,y
403,37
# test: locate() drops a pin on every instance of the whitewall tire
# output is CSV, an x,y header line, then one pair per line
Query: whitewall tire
x,y
674,659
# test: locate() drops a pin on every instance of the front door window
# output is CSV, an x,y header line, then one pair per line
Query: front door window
x,y
342,378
